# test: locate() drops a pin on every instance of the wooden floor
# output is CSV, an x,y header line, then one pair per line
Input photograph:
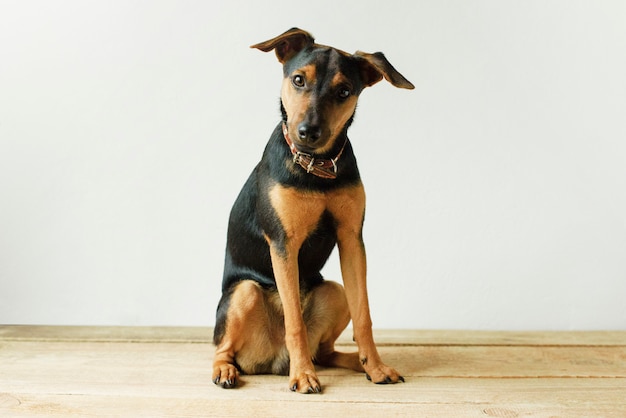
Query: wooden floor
x,y
163,372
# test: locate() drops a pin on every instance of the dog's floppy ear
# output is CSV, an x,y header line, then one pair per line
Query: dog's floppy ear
x,y
287,44
375,66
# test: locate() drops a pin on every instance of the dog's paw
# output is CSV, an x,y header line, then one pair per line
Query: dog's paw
x,y
382,375
225,375
305,382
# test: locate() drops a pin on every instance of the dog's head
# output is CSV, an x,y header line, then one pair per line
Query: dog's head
x,y
321,85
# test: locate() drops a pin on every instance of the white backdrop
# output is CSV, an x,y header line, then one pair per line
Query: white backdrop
x,y
496,188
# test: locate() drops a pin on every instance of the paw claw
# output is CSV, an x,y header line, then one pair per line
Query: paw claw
x,y
229,384
306,383
225,375
385,381
383,375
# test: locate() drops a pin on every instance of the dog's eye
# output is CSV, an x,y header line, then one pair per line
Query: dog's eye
x,y
298,81
343,93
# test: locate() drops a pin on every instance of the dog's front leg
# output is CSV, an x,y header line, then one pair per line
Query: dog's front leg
x,y
302,376
298,214
354,271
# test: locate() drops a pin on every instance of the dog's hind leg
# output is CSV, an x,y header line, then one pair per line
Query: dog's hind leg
x,y
327,315
252,339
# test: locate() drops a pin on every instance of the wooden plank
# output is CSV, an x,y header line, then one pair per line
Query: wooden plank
x,y
106,334
37,363
167,372
383,337
497,338
268,397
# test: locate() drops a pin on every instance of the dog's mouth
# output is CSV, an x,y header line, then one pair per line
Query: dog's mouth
x,y
318,147
323,150
305,147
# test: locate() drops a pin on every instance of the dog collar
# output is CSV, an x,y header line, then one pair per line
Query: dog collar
x,y
320,167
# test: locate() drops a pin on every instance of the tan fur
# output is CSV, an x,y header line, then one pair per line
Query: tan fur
x,y
255,330
297,102
337,119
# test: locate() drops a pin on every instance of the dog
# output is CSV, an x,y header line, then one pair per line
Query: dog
x,y
277,314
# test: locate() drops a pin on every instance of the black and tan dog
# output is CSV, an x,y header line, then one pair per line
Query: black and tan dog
x,y
277,314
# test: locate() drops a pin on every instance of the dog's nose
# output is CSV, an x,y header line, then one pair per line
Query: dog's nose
x,y
309,133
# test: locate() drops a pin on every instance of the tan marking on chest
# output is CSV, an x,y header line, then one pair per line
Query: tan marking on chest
x,y
347,207
300,211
